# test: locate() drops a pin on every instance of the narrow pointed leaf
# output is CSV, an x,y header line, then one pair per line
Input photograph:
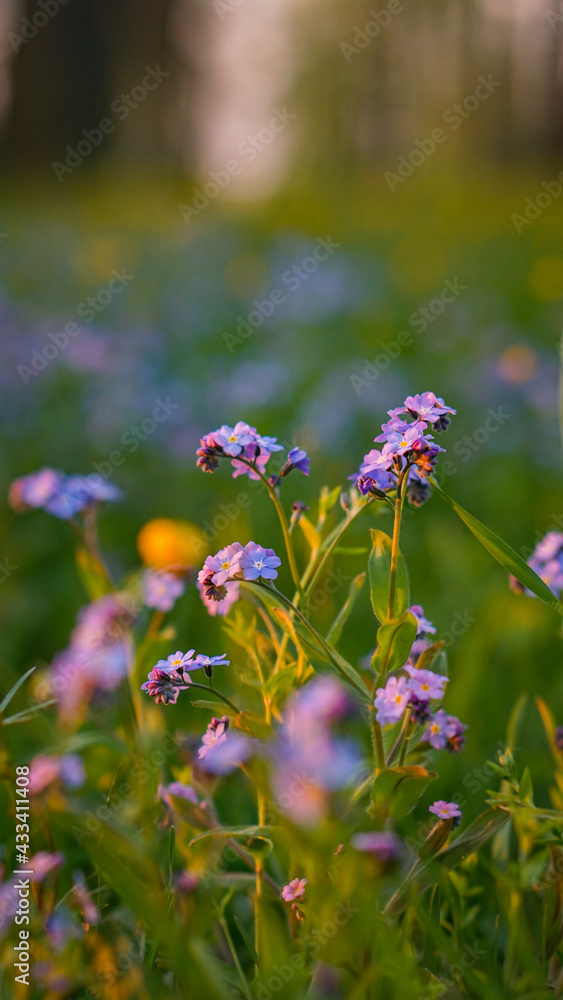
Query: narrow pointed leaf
x,y
504,554
339,622
238,832
15,688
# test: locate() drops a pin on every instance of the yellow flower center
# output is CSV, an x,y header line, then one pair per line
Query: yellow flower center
x,y
225,565
425,687
233,437
398,699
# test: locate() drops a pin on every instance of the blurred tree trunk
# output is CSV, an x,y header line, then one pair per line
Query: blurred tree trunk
x,y
67,75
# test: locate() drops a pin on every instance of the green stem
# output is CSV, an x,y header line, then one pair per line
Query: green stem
x,y
398,741
259,927
244,984
325,554
282,520
406,737
395,545
377,737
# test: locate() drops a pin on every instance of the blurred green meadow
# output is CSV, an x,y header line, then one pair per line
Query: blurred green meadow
x,y
320,371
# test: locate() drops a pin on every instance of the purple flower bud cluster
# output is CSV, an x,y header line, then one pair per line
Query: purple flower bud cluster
x,y
236,562
60,495
248,451
417,691
170,676
547,561
407,447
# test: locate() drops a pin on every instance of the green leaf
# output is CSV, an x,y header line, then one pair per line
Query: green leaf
x,y
394,641
525,788
399,788
217,707
436,840
238,832
426,873
311,534
314,647
379,573
515,720
254,724
327,500
478,833
27,715
15,688
335,630
248,942
504,554
549,726
428,656
347,550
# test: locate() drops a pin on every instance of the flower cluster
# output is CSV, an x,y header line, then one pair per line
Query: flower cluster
x,y
236,562
63,496
98,656
306,747
248,451
172,675
66,771
417,690
407,448
547,561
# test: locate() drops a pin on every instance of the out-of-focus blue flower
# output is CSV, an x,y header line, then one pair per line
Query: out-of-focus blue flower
x,y
384,845
44,770
547,561
180,790
161,589
36,489
309,762
60,495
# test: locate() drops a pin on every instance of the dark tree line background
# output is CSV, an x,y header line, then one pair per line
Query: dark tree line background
x,y
358,110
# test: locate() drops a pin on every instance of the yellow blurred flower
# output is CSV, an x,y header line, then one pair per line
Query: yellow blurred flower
x,y
164,542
